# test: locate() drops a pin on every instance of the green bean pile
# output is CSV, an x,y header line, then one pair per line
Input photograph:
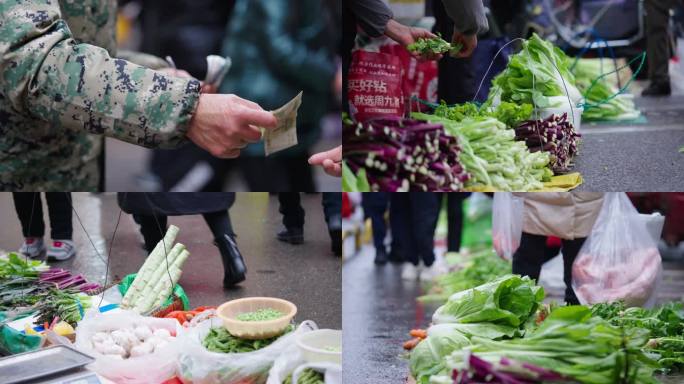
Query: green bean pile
x,y
220,340
308,376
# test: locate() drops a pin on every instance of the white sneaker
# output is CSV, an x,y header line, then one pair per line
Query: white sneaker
x,y
428,274
32,247
410,271
61,250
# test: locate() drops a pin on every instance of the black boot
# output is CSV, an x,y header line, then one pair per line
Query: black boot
x,y
381,256
233,265
291,235
336,241
657,88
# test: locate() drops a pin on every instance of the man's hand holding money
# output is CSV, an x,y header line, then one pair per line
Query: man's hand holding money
x,y
224,124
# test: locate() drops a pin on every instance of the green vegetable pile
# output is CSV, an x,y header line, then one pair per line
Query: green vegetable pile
x,y
220,340
480,268
511,114
665,324
435,46
491,155
575,344
597,91
69,306
308,376
539,74
260,315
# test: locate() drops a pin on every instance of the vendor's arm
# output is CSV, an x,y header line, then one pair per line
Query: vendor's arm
x,y
46,74
469,20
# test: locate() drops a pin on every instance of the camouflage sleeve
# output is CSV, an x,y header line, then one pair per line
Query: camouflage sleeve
x,y
46,74
144,59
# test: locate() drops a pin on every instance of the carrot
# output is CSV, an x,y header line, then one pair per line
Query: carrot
x,y
420,333
409,345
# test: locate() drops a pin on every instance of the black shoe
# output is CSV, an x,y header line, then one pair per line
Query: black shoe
x,y
380,256
660,88
291,235
234,269
395,258
336,241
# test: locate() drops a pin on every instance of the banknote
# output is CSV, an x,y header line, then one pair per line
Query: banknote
x,y
285,134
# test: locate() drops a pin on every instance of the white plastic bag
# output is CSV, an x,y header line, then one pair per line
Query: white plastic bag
x,y
620,258
507,223
156,367
198,365
292,362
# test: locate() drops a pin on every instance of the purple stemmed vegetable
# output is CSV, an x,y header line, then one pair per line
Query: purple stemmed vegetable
x,y
555,135
404,155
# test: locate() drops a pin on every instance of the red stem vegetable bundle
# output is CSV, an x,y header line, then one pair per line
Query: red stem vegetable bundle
x,y
63,279
555,135
404,155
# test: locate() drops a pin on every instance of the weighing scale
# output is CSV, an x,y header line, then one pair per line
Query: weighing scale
x,y
58,364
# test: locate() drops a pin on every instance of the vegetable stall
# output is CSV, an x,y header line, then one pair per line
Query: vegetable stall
x,y
142,329
524,137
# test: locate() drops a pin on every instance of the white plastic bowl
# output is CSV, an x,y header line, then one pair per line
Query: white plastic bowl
x,y
256,330
315,346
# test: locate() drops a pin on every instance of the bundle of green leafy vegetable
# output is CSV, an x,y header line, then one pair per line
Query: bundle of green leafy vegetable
x,y
481,267
511,114
17,266
220,340
308,376
572,343
665,324
433,46
599,91
539,74
68,306
509,300
354,182
492,156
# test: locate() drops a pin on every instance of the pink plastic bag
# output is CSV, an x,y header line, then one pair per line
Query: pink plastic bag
x,y
620,259
507,223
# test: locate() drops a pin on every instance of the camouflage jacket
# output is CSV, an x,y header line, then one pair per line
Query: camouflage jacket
x,y
61,89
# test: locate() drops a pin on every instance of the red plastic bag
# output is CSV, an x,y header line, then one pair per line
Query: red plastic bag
x,y
420,77
375,86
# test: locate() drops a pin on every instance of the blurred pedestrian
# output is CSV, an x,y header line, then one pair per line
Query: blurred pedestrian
x,y
293,218
658,46
29,207
454,206
278,49
416,232
569,216
151,211
374,208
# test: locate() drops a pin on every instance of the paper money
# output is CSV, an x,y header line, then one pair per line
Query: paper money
x,y
285,134
217,67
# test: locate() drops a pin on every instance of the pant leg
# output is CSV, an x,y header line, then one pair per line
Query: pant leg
x,y
403,248
374,207
657,44
332,208
59,209
32,224
570,250
150,229
424,214
291,209
529,257
219,223
455,220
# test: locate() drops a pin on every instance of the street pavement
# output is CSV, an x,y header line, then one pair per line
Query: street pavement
x,y
636,157
308,274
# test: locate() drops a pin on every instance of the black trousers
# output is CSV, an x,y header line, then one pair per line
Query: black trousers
x,y
291,209
59,210
332,209
455,220
657,43
219,223
532,254
414,230
374,207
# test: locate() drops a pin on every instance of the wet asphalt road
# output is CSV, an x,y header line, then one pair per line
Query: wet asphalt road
x,y
308,274
380,309
640,157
